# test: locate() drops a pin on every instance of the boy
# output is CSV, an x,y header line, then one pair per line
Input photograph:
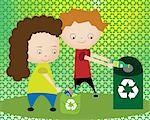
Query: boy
x,y
81,30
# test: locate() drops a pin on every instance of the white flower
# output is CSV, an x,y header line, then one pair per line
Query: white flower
x,y
71,104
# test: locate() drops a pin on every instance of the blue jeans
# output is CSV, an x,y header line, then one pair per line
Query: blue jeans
x,y
33,96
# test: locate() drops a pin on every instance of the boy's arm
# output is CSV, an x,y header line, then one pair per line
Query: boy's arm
x,y
110,65
100,57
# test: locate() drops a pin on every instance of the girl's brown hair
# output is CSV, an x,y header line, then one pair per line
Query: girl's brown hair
x,y
18,66
82,16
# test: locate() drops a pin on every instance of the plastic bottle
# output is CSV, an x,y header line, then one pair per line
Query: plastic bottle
x,y
119,64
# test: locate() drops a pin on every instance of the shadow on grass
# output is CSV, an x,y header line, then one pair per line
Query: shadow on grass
x,y
91,108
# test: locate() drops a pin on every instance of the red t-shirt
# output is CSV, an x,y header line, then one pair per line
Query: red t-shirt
x,y
82,67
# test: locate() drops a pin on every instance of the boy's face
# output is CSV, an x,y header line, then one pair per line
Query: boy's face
x,y
81,35
43,47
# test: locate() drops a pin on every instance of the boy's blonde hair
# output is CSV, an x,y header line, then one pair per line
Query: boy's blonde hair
x,y
82,16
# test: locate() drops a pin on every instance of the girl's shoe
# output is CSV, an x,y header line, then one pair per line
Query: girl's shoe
x,y
53,109
30,109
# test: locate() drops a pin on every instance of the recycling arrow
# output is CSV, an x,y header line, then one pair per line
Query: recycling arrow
x,y
135,89
124,82
135,92
131,95
123,95
131,83
120,89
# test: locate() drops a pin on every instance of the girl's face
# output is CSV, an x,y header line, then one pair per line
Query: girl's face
x,y
43,47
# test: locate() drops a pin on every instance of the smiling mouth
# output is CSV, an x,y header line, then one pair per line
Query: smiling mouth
x,y
81,42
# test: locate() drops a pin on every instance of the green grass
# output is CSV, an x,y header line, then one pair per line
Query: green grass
x,y
91,108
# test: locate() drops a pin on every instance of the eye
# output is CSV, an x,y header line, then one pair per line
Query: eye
x,y
72,36
39,51
90,36
54,51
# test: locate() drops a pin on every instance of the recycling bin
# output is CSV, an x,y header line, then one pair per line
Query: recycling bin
x,y
128,85
70,105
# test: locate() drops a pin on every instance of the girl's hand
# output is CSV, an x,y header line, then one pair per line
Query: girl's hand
x,y
58,89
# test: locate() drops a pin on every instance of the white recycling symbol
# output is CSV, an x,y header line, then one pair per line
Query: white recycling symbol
x,y
131,83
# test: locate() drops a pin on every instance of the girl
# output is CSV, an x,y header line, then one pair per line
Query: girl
x,y
35,40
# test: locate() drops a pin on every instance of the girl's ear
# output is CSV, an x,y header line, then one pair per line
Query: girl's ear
x,y
60,36
28,59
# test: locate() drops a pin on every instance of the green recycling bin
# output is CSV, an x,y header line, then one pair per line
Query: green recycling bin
x,y
128,85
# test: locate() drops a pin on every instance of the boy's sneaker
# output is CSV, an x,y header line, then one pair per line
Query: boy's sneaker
x,y
95,96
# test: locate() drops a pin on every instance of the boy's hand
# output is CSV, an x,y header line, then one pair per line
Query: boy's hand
x,y
58,89
110,65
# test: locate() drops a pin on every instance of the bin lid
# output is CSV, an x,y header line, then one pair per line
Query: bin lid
x,y
135,64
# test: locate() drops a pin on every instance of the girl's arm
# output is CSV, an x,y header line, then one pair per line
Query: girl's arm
x,y
51,82
110,65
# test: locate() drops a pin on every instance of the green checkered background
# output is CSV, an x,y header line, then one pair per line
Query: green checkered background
x,y
126,35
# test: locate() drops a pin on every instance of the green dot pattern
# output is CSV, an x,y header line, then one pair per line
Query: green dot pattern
x,y
127,34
